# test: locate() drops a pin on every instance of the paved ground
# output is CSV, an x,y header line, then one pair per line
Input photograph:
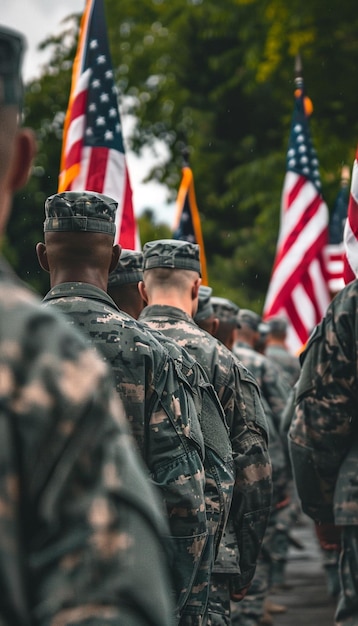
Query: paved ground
x,y
307,601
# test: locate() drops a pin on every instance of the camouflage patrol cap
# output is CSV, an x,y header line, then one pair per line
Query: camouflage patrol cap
x,y
205,308
82,211
224,309
12,47
171,253
129,269
277,324
252,320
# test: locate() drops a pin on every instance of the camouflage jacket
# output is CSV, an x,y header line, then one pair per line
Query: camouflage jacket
x,y
274,392
81,531
288,363
161,409
323,437
219,472
240,398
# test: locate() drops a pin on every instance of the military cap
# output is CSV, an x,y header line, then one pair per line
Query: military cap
x,y
277,324
224,309
84,211
252,320
12,47
171,253
205,308
129,269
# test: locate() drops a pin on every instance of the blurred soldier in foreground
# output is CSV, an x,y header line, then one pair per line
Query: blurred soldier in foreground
x,y
323,439
170,288
274,390
218,462
79,253
80,527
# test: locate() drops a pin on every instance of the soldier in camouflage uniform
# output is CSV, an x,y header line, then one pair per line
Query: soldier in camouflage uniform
x,y
81,531
274,392
170,287
204,316
218,463
123,283
277,351
79,252
323,438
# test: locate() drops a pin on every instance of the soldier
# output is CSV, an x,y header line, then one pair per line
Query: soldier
x,y
80,527
79,254
170,288
218,463
277,351
323,439
123,283
274,391
204,316
225,312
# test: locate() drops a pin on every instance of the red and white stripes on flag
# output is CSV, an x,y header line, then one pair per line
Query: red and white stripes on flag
x,y
93,156
298,287
335,247
351,229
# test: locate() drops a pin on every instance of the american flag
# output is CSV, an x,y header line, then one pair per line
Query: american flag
x,y
187,225
298,288
335,247
350,236
93,156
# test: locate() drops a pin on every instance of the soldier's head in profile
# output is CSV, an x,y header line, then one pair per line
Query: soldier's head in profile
x,y
17,145
79,230
172,268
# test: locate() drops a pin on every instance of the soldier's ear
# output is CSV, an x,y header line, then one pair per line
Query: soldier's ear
x,y
116,252
143,292
42,256
195,288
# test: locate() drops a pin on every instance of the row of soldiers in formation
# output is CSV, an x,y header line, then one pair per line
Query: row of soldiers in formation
x,y
145,476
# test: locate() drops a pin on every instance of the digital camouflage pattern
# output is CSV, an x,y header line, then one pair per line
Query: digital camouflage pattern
x,y
240,399
81,530
323,437
274,393
219,473
84,211
160,407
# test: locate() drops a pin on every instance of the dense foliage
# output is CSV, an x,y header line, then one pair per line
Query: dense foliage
x,y
217,78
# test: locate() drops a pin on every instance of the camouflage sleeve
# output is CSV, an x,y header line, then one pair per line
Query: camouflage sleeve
x,y
73,489
253,488
323,425
174,456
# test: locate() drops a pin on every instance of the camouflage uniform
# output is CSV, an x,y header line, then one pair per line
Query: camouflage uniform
x,y
288,363
274,394
240,398
323,437
277,352
81,533
218,462
159,403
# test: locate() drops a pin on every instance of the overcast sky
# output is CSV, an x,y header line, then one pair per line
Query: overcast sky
x,y
37,19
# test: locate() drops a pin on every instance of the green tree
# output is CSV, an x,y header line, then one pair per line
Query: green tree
x,y
217,78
